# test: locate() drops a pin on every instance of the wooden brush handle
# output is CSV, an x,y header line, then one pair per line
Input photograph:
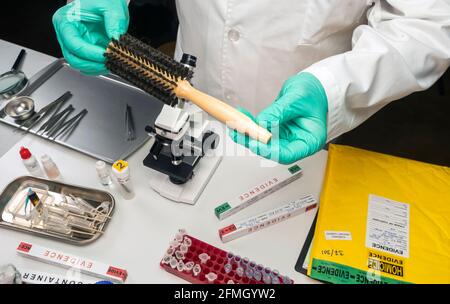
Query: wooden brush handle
x,y
222,112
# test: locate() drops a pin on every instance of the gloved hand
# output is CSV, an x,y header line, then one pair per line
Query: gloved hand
x,y
85,27
297,120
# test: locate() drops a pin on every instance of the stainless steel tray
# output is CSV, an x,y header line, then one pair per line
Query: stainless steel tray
x,y
101,133
11,196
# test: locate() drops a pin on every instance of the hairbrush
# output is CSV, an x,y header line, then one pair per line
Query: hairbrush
x,y
166,79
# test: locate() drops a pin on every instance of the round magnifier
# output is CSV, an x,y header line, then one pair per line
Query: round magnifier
x,y
14,81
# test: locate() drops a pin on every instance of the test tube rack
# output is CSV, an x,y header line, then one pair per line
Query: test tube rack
x,y
213,270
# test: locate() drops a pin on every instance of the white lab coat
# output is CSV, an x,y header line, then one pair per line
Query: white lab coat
x,y
366,53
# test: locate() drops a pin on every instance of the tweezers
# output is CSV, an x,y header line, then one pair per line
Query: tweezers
x,y
129,123
44,112
59,121
71,124
52,118
50,123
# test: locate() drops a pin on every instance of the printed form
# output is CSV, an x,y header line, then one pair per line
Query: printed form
x,y
388,226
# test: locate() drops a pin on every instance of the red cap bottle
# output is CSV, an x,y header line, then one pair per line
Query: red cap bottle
x,y
25,153
30,162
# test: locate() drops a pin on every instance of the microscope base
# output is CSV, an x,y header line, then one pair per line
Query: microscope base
x,y
190,191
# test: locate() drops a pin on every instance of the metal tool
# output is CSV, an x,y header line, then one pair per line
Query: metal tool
x,y
60,120
50,123
74,126
71,124
44,112
129,123
51,119
13,81
41,77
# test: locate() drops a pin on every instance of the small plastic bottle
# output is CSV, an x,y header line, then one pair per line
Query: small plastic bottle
x,y
50,167
121,171
30,162
103,173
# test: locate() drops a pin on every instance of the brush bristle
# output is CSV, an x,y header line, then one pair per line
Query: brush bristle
x,y
145,67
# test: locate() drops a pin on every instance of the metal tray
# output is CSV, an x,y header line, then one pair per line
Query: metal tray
x,y
101,133
11,196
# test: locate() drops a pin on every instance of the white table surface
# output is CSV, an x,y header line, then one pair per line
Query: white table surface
x,y
141,228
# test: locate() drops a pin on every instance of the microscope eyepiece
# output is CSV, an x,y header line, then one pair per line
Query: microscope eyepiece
x,y
189,60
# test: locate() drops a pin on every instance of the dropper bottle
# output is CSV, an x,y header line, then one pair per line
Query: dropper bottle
x,y
30,162
103,173
50,167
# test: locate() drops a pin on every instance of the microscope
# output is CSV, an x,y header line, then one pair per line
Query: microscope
x,y
183,149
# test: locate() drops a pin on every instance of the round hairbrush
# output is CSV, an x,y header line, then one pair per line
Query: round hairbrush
x,y
166,79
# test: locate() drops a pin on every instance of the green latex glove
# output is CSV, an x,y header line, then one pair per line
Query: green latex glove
x,y
297,120
85,27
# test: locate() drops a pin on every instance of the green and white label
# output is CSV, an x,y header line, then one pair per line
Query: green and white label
x,y
341,274
221,209
294,169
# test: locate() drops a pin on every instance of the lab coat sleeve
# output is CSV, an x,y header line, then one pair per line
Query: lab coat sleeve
x,y
404,48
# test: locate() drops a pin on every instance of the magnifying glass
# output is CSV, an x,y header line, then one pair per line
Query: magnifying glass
x,y
14,81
